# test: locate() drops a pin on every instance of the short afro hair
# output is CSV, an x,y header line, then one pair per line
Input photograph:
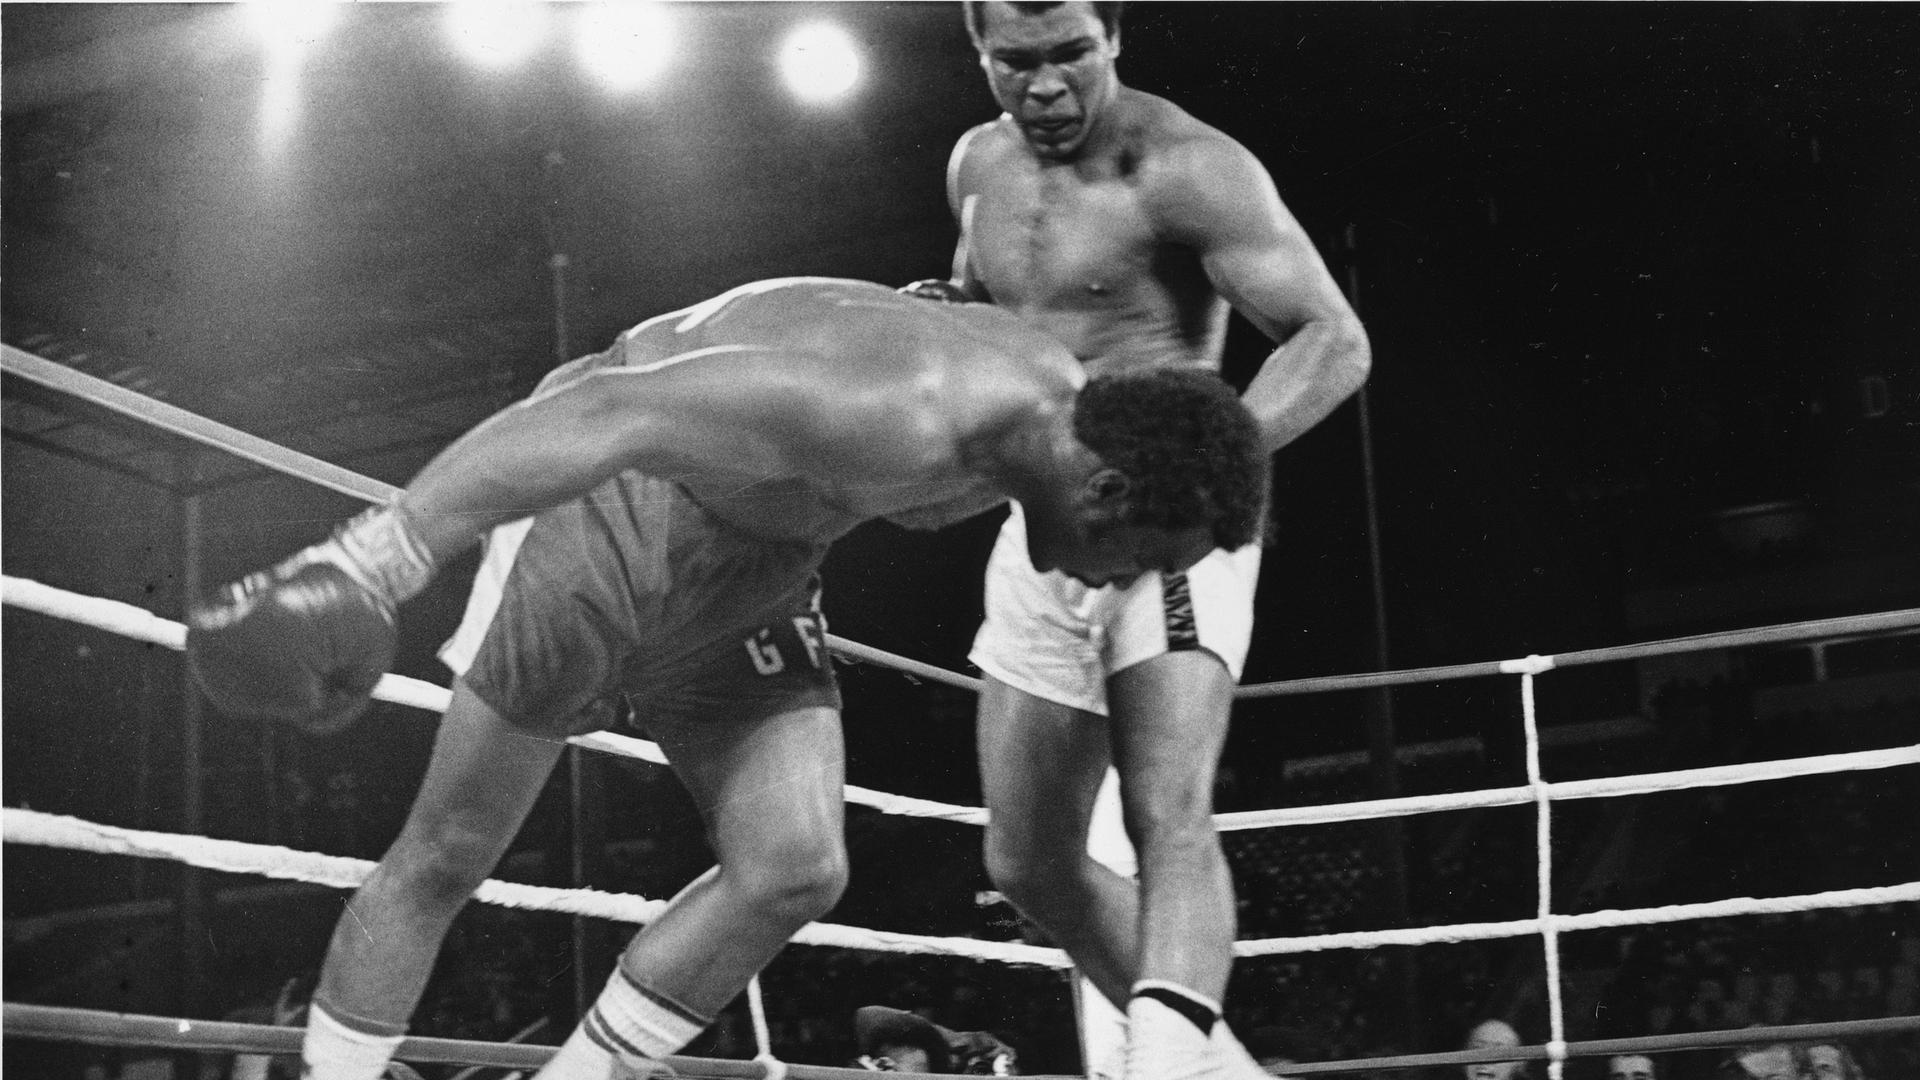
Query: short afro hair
x,y
1188,445
1108,12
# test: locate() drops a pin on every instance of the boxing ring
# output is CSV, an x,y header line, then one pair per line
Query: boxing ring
x,y
22,826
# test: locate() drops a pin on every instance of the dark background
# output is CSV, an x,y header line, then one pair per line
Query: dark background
x,y
1628,270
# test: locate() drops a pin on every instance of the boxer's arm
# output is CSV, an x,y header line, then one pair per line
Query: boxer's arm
x,y
1217,199
749,413
307,640
961,203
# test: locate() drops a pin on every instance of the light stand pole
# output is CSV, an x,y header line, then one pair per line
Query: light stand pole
x,y
1382,743
586,806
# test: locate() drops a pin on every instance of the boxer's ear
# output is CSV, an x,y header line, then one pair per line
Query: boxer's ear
x,y
1109,485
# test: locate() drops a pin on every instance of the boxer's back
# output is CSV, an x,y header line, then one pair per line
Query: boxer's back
x,y
871,340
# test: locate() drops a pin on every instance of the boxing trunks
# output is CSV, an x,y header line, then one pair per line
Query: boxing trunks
x,y
1057,639
639,597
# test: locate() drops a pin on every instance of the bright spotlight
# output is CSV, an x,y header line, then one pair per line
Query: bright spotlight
x,y
289,27
625,44
820,62
497,33
279,111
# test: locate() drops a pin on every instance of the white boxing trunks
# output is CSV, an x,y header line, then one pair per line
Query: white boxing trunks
x,y
1052,637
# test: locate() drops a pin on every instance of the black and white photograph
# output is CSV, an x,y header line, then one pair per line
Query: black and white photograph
x,y
1170,540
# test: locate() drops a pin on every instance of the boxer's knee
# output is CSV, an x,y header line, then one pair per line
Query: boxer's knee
x,y
794,882
1036,877
437,868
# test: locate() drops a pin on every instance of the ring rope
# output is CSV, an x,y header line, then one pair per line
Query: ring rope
x,y
1784,633
1594,788
1657,1044
260,451
233,856
178,421
98,1028
1612,918
129,621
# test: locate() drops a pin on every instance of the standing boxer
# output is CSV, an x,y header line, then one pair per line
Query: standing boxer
x,y
1124,227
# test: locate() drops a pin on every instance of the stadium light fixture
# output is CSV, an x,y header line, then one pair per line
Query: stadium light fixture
x,y
820,62
288,30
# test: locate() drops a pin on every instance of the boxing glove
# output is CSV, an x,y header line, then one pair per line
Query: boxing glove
x,y
304,642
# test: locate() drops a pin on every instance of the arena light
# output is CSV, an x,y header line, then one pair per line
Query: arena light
x,y
820,62
496,33
279,110
625,45
289,28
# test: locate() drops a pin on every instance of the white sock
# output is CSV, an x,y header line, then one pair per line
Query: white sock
x,y
1229,1048
1164,1045
629,1025
334,1051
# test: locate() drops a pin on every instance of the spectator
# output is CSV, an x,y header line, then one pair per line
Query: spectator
x,y
1630,1067
892,1040
1832,1061
1765,1061
1487,1035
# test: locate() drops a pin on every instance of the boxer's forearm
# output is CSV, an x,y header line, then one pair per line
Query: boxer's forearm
x,y
1321,365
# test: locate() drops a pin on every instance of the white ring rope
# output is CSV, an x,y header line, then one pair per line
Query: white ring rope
x,y
129,621
172,418
23,826
132,622
1611,918
232,856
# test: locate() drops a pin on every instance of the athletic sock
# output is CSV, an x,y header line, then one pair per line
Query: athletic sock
x,y
334,1051
1167,1034
1202,1011
630,1025
1228,1049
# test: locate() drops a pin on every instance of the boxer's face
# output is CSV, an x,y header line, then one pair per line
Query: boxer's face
x,y
1053,72
1089,538
1107,554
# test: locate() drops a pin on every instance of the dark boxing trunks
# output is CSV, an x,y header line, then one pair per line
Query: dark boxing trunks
x,y
636,592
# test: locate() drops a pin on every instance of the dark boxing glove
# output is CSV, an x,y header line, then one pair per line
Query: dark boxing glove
x,y
305,642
